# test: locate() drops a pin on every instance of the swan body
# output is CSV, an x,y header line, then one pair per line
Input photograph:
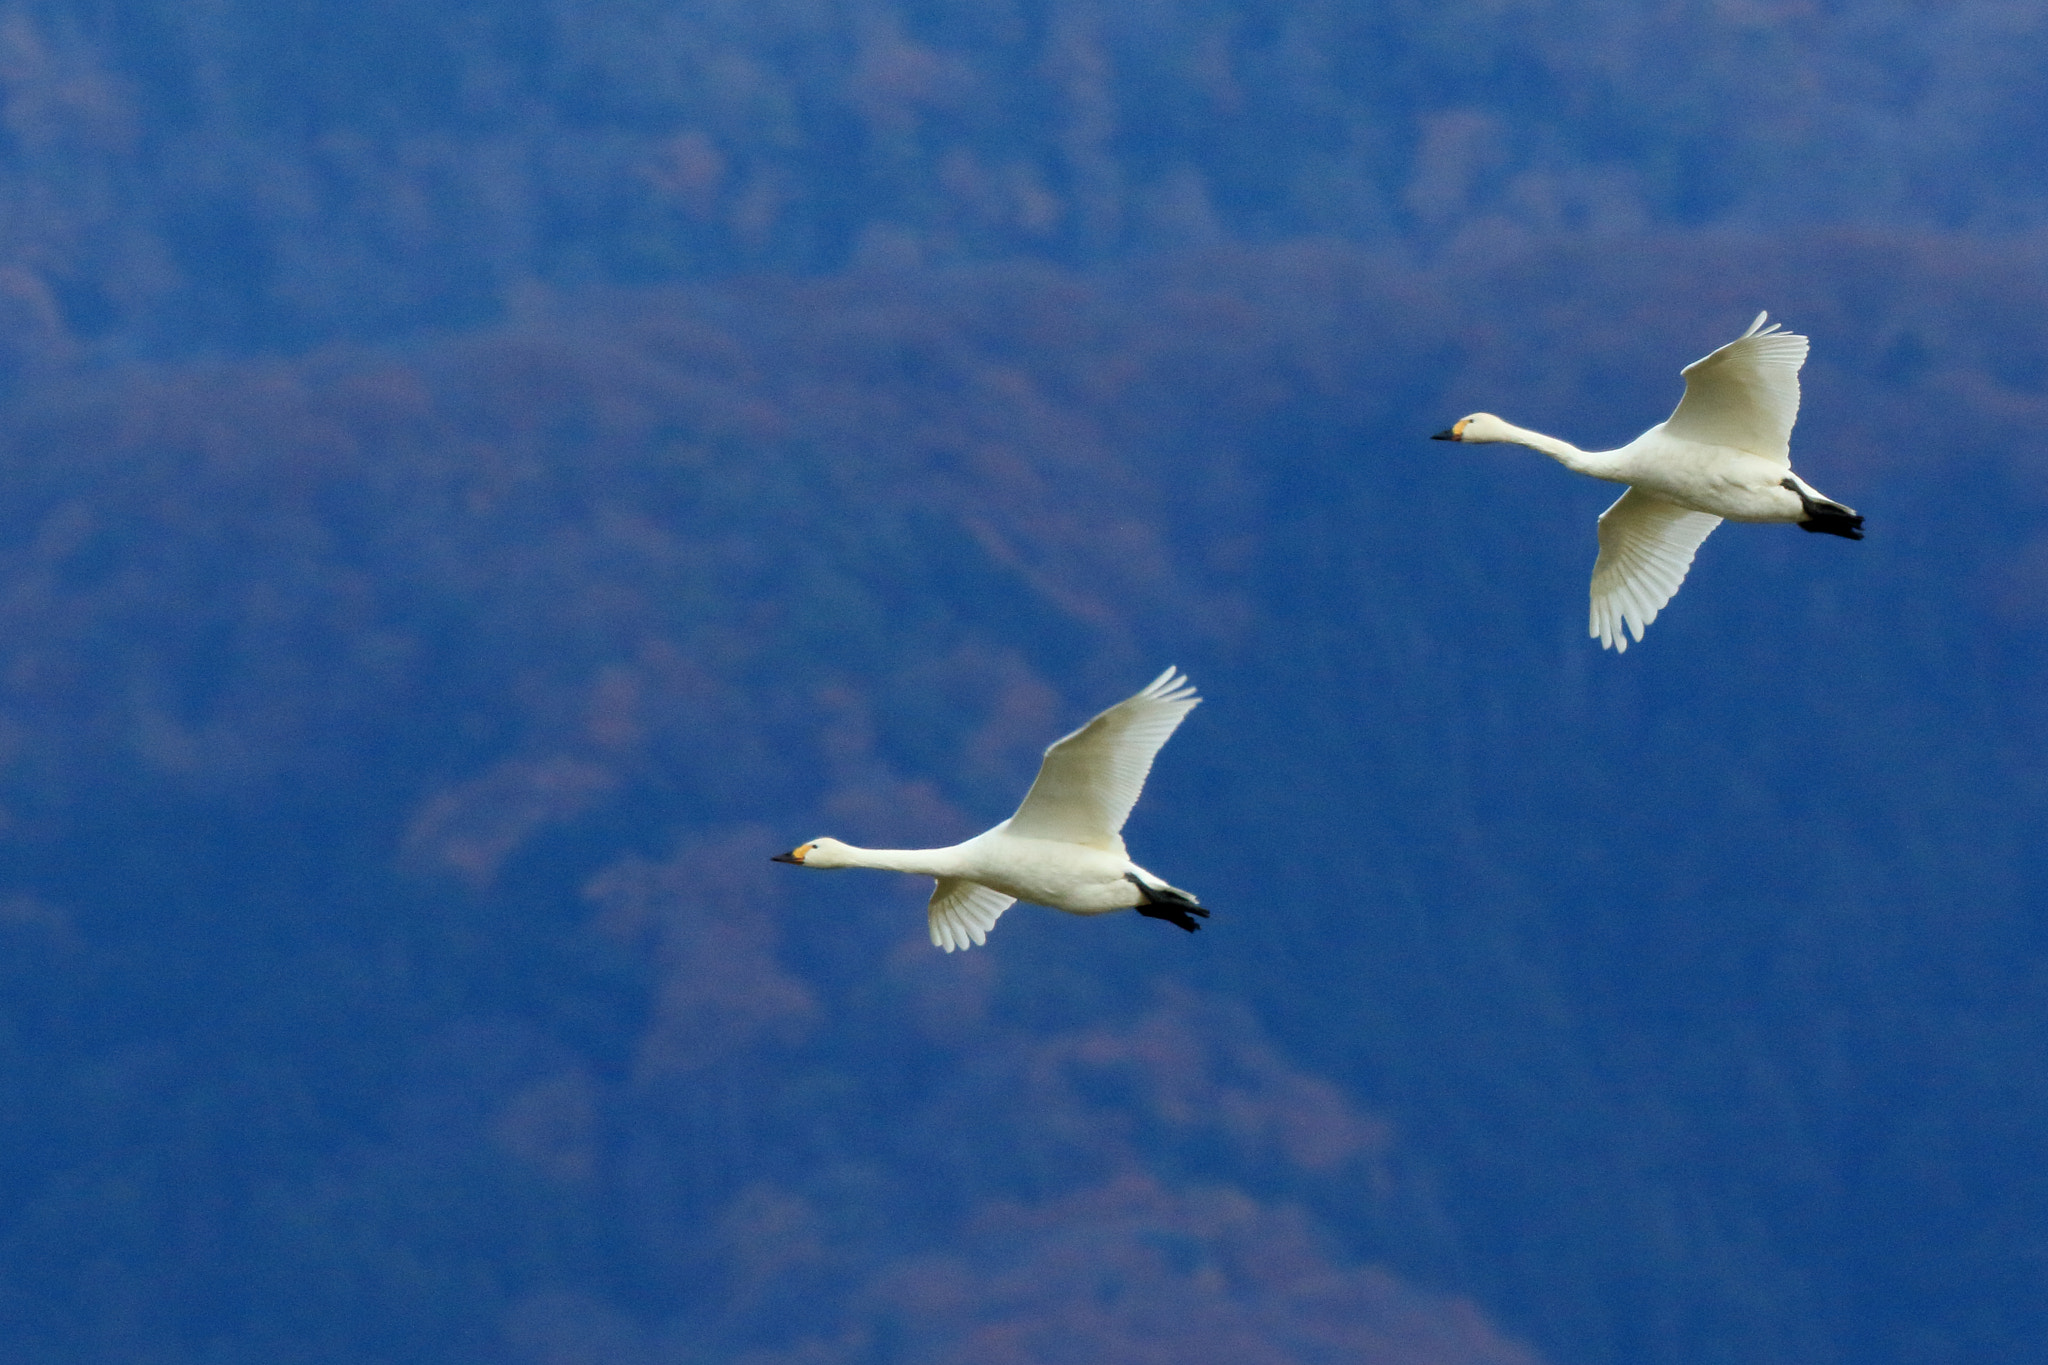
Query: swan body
x,y
1064,846
1724,454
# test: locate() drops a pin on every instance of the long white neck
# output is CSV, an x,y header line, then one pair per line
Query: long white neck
x,y
1601,464
929,862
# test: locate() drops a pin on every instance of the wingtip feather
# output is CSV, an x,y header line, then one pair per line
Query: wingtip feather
x,y
1176,684
1170,686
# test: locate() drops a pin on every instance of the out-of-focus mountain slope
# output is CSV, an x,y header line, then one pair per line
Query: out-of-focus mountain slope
x,y
393,741
248,176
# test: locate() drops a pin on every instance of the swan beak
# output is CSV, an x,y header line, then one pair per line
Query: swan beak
x,y
1447,434
795,855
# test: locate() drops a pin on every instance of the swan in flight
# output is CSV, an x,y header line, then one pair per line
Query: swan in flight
x,y
1064,847
1724,453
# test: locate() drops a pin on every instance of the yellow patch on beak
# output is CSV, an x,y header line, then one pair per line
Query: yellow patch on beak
x,y
795,855
1458,428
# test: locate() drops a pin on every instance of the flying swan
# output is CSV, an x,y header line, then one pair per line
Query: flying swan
x,y
1725,452
1064,847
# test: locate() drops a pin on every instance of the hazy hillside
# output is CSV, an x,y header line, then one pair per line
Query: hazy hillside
x,y
478,476
395,740
239,175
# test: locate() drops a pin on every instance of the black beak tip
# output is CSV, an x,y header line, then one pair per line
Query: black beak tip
x,y
1447,434
786,858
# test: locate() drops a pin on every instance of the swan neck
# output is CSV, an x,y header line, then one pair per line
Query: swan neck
x,y
930,862
1594,462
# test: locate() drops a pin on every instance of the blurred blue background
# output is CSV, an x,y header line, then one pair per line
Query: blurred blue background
x,y
476,478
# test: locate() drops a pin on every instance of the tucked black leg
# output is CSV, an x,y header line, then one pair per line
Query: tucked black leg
x,y
1164,902
1826,518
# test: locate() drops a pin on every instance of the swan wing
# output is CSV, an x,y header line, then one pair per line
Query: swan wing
x,y
1646,545
962,912
1090,780
1745,395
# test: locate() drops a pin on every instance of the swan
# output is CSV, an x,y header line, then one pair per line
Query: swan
x,y
1064,847
1725,452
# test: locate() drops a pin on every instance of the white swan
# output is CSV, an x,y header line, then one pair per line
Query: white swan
x,y
1725,452
1064,847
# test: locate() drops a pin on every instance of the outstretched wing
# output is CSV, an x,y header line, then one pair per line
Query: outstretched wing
x,y
1646,545
962,912
1090,780
1745,395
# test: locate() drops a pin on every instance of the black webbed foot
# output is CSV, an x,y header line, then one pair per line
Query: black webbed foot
x,y
1826,518
1182,915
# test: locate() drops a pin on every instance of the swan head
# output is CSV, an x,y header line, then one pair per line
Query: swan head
x,y
1480,426
817,853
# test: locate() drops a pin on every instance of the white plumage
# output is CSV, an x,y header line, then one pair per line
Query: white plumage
x,y
1064,847
1725,452
1089,780
962,912
1646,546
1744,396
